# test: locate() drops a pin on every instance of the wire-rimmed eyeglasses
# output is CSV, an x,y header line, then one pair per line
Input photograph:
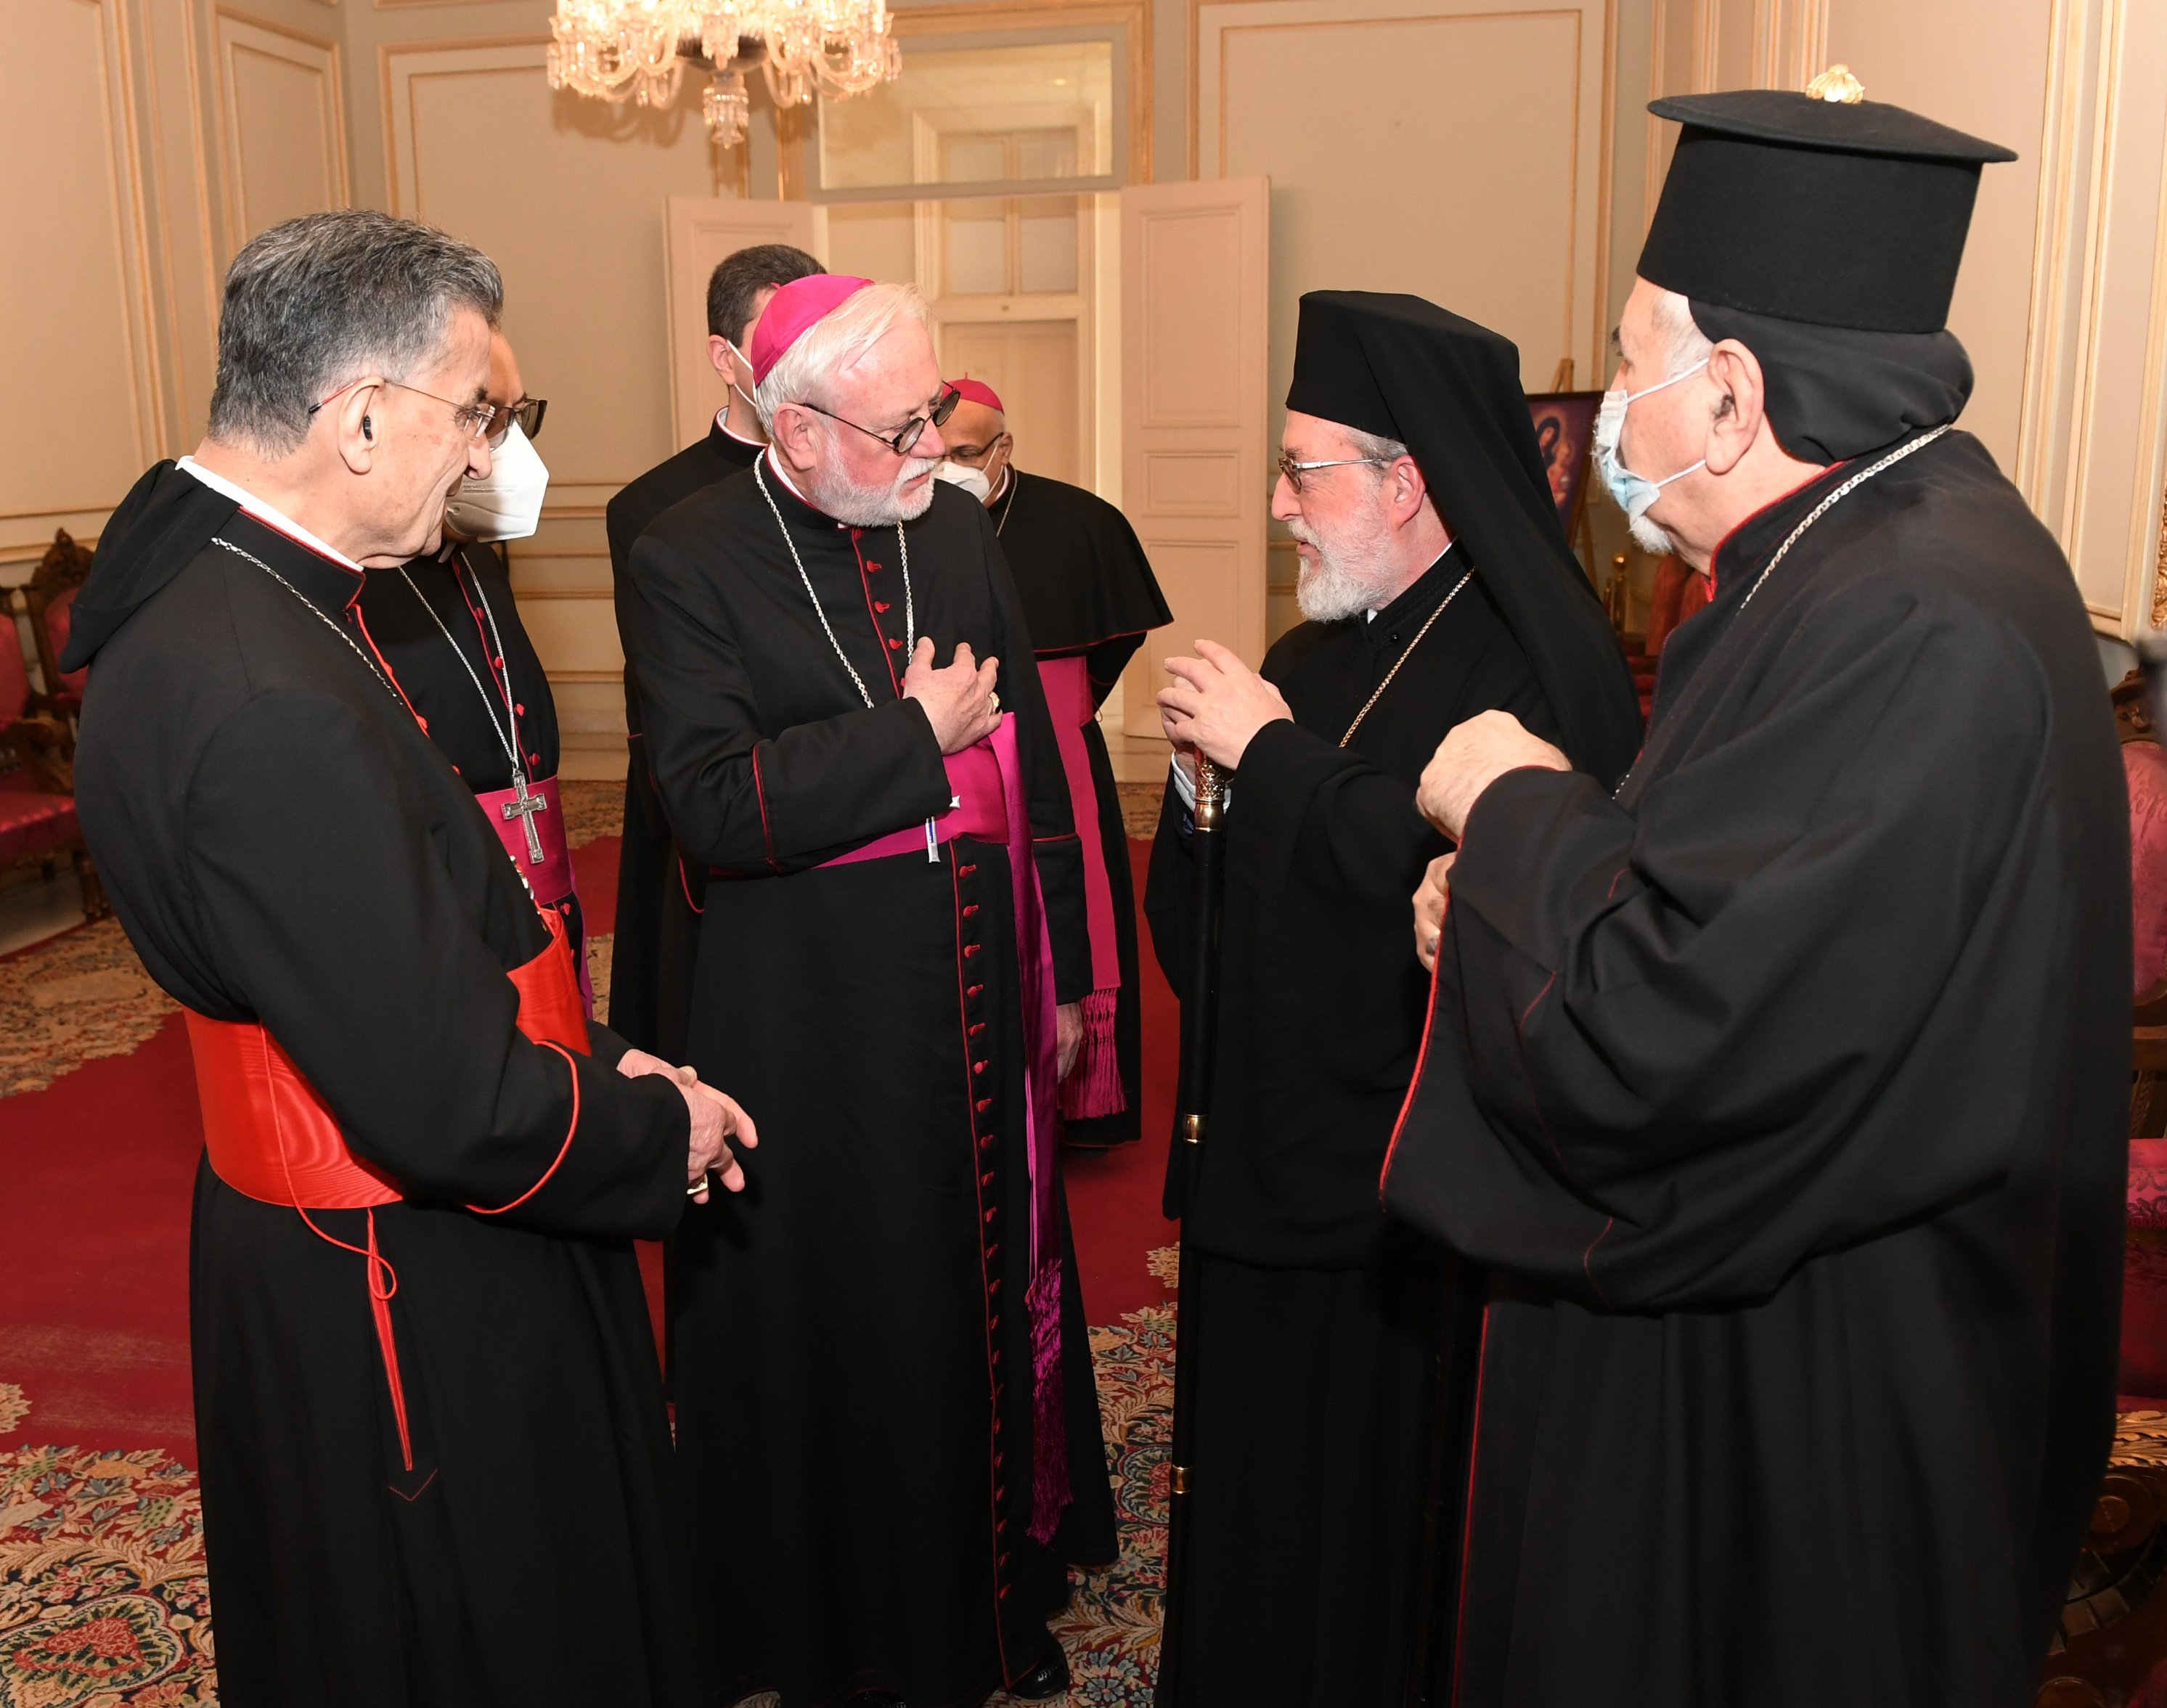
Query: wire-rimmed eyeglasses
x,y
911,431
483,420
1294,471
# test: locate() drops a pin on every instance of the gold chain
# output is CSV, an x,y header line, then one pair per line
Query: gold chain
x,y
1427,625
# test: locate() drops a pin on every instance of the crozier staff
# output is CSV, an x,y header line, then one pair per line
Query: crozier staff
x,y
1787,1090
427,1398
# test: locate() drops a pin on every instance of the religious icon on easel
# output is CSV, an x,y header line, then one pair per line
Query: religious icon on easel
x,y
1565,437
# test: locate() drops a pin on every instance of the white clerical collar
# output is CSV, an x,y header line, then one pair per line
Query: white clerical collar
x,y
269,514
774,466
722,427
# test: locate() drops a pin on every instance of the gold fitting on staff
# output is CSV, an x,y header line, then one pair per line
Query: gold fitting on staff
x,y
1192,1130
1177,1480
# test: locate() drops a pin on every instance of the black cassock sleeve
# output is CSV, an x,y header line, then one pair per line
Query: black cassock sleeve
x,y
742,800
1658,1036
337,925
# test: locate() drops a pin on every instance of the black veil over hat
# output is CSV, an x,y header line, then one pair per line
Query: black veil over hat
x,y
1449,391
1824,235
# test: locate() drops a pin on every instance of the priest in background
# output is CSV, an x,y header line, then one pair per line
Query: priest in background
x,y
658,894
848,733
1785,1090
1438,585
436,1460
1089,597
447,626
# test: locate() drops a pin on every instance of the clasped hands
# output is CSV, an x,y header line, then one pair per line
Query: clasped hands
x,y
716,1119
1472,756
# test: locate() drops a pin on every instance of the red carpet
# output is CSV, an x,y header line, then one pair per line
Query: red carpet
x,y
94,1217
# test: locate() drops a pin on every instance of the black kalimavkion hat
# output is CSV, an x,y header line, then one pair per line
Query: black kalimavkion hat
x,y
1821,207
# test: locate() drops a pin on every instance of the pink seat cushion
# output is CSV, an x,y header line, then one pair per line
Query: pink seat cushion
x,y
2145,767
32,823
14,674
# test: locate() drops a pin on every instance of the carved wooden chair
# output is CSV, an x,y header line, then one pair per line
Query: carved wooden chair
x,y
49,601
2111,1649
38,825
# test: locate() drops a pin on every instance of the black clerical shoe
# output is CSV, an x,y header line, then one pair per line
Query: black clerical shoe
x,y
1047,1682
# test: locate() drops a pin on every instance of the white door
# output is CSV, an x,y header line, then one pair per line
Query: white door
x,y
1194,353
698,233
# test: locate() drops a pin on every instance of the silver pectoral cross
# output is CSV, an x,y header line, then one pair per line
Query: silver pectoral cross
x,y
523,808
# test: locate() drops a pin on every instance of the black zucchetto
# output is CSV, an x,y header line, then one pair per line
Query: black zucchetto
x,y
1847,213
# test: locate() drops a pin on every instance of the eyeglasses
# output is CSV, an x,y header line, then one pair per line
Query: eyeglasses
x,y
475,420
913,430
528,413
1294,471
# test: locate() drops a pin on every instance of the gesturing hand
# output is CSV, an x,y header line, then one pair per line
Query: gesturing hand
x,y
1217,703
1472,756
1429,909
716,1120
959,698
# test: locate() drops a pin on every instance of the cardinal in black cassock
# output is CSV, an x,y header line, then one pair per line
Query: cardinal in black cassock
x,y
1785,1090
1434,557
448,628
884,1335
461,1493
1089,597
659,894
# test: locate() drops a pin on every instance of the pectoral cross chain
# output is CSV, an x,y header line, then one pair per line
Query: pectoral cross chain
x,y
523,808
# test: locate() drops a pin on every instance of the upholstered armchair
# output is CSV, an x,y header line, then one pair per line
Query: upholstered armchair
x,y
38,825
49,601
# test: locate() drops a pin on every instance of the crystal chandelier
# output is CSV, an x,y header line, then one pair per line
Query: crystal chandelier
x,y
636,51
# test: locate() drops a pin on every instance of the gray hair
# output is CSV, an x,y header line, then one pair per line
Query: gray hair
x,y
834,343
318,302
1374,446
1684,345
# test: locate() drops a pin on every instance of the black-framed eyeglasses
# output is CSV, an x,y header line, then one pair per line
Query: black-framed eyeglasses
x,y
912,430
1294,471
528,413
476,420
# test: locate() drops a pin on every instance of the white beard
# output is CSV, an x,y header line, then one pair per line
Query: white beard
x,y
1649,537
1347,578
839,496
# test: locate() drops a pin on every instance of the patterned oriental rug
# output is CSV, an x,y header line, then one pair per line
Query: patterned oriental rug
x,y
102,1597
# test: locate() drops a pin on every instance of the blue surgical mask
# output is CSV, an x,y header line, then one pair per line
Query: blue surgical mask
x,y
1635,493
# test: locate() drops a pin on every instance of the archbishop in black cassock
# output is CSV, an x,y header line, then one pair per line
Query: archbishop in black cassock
x,y
1319,1332
283,844
659,894
1089,597
1786,1091
855,1333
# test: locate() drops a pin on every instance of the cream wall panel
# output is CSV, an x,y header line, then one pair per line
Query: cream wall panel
x,y
569,197
1981,66
577,229
1457,149
283,113
77,361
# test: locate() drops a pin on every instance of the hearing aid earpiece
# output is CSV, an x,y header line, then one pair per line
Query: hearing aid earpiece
x,y
367,430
